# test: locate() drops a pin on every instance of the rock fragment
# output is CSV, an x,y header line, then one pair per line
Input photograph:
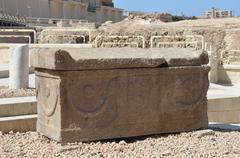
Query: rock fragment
x,y
202,133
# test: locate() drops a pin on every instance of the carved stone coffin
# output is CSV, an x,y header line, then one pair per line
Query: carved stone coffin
x,y
95,94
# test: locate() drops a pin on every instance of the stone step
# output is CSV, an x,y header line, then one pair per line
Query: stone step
x,y
226,109
224,104
18,106
22,123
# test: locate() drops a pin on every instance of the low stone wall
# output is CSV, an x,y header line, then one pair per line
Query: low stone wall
x,y
229,74
71,35
18,35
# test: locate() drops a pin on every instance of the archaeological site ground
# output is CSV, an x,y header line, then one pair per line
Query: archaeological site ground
x,y
103,84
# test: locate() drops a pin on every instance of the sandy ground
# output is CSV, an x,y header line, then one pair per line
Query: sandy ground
x,y
142,23
202,144
10,93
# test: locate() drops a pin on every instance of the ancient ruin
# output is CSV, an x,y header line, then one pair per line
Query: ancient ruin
x,y
94,94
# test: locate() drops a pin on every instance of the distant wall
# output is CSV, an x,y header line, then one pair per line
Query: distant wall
x,y
45,8
26,8
109,14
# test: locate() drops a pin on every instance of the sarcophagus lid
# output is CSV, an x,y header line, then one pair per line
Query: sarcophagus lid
x,y
112,58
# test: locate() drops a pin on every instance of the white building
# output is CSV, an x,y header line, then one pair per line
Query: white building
x,y
218,13
92,10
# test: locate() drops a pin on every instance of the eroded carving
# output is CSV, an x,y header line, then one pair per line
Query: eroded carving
x,y
91,97
49,99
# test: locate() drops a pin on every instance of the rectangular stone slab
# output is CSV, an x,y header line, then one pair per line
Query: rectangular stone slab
x,y
112,58
105,104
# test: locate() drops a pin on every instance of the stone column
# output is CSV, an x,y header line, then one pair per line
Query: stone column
x,y
53,10
109,15
65,11
213,63
105,15
120,15
85,12
99,13
60,10
82,12
76,11
116,14
18,66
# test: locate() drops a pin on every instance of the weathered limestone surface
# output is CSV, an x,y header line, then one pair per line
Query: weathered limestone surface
x,y
119,92
112,58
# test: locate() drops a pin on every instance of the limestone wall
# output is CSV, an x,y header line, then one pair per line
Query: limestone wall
x,y
63,9
109,14
26,8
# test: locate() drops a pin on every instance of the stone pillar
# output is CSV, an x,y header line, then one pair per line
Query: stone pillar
x,y
65,11
109,15
85,12
18,66
81,12
116,15
112,15
53,10
60,10
213,63
99,15
120,15
76,12
105,15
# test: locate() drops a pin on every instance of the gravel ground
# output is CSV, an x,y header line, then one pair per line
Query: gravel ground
x,y
205,143
10,93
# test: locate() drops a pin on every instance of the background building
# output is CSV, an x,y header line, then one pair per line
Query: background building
x,y
93,10
218,13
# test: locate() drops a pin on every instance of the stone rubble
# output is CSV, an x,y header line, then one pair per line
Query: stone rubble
x,y
202,133
5,92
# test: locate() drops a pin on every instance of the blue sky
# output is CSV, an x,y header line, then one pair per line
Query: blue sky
x,y
188,7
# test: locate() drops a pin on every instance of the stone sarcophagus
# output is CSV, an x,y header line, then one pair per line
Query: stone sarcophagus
x,y
95,94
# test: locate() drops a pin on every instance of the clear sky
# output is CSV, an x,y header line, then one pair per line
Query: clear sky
x,y
188,7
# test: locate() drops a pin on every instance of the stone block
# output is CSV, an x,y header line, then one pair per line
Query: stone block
x,y
95,94
229,74
18,106
22,123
